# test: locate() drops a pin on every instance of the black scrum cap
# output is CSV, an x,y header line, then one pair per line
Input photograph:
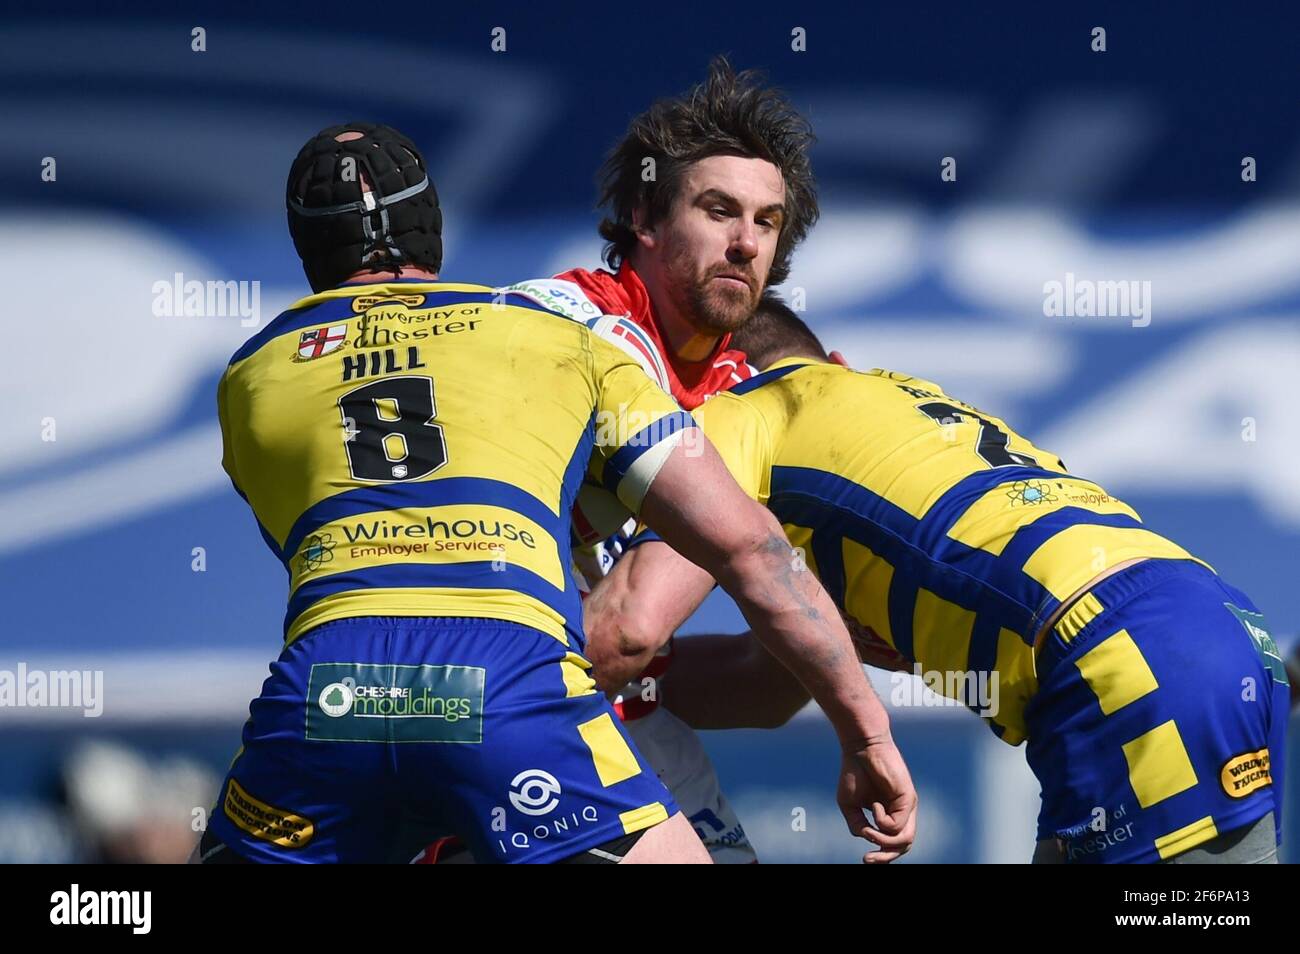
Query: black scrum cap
x,y
337,230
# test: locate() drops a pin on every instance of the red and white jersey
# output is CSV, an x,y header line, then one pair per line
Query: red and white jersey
x,y
617,307
690,382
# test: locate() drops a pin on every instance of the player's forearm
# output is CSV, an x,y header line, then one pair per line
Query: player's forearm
x,y
797,622
729,682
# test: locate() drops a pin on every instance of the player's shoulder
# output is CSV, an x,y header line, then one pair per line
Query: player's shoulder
x,y
319,321
561,294
777,394
315,314
601,287
907,383
578,293
728,409
568,295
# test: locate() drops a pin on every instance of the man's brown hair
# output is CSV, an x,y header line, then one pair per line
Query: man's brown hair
x,y
728,114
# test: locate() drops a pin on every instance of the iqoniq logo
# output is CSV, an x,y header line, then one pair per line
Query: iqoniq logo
x,y
534,792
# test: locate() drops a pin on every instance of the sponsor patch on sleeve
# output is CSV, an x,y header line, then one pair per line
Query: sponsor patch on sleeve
x,y
1264,644
1246,773
280,827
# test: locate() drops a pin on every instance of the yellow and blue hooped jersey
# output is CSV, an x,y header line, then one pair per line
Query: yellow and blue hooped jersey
x,y
927,520
414,449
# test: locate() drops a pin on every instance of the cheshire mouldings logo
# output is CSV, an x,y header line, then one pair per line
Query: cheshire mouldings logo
x,y
363,702
336,699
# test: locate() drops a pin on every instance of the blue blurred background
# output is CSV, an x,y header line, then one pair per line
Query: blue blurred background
x,y
123,548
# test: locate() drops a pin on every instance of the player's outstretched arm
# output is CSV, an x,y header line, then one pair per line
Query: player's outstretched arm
x,y
647,597
698,509
760,692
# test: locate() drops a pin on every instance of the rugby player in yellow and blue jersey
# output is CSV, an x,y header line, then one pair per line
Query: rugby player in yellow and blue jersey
x,y
411,449
1150,695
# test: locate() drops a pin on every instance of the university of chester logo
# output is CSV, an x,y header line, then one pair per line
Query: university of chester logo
x,y
321,341
317,551
1031,493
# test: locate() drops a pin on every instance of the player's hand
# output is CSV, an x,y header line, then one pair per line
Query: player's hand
x,y
875,784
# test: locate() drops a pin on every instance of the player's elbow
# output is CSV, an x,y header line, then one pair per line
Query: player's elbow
x,y
619,643
638,636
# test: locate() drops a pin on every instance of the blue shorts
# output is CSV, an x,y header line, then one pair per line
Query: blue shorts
x,y
488,730
1160,717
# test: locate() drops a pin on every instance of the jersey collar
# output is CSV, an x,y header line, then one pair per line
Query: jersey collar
x,y
794,360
